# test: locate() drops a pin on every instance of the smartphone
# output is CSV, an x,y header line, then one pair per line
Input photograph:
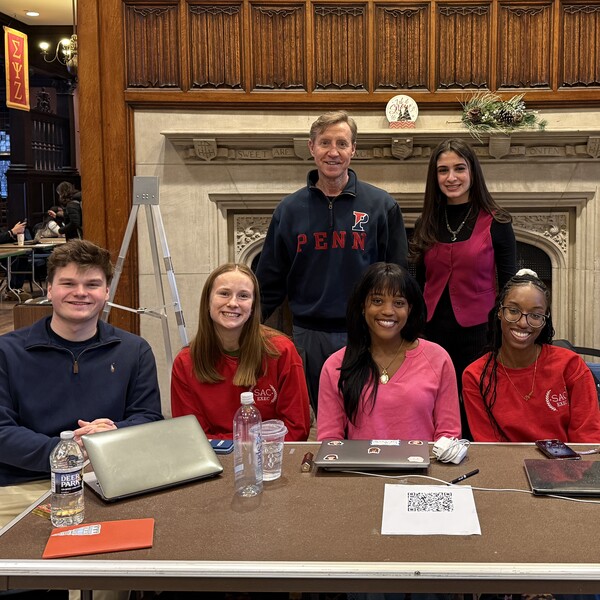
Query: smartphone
x,y
222,446
556,449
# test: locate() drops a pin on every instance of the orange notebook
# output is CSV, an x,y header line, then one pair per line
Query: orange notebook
x,y
95,538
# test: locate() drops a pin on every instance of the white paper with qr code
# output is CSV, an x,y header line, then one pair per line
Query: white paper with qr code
x,y
429,510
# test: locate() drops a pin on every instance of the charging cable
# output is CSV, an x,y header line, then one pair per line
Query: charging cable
x,y
450,449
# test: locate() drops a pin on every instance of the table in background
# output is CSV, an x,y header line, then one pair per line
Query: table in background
x,y
321,531
13,250
10,251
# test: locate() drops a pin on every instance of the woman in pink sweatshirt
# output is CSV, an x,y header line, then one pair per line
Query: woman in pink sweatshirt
x,y
387,383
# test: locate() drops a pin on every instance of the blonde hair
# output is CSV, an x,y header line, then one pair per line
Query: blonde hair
x,y
206,348
333,118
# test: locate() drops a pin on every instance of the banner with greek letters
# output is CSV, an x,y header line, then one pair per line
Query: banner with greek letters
x,y
17,69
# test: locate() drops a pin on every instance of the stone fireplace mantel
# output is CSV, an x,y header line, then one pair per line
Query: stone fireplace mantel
x,y
382,146
222,174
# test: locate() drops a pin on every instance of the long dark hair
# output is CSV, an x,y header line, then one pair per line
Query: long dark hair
x,y
426,227
359,375
489,376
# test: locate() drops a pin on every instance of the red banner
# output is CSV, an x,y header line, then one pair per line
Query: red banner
x,y
17,69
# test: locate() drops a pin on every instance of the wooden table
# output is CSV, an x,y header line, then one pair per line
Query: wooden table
x,y
322,532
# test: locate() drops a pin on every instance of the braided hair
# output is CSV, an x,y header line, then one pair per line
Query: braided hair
x,y
489,376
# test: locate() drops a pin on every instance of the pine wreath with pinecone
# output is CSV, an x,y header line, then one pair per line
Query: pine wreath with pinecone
x,y
487,113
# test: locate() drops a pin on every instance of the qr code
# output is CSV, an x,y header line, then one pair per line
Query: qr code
x,y
430,502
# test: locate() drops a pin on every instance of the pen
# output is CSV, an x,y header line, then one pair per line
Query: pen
x,y
463,477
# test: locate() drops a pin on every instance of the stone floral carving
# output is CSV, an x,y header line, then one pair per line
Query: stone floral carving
x,y
553,227
249,229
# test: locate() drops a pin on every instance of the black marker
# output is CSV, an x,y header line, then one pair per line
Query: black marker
x,y
463,477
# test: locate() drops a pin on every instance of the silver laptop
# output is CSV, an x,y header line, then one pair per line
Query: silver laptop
x,y
143,458
372,455
563,477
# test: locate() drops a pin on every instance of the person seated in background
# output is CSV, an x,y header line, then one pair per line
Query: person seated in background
x,y
525,389
69,371
233,353
50,226
387,383
10,236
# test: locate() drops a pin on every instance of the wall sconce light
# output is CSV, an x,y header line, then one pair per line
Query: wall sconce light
x,y
66,50
65,53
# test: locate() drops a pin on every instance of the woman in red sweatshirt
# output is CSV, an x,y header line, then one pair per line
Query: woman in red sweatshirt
x,y
233,353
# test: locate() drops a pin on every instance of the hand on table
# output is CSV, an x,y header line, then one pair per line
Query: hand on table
x,y
88,427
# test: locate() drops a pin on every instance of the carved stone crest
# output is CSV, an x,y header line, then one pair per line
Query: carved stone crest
x,y
402,148
301,148
499,145
593,146
206,149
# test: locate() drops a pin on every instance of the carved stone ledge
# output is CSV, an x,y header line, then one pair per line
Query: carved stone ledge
x,y
384,146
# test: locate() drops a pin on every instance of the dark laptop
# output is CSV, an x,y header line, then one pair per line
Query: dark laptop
x,y
372,455
143,458
563,477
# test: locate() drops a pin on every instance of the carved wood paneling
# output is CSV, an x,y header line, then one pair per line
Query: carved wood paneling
x,y
401,44
278,47
256,51
152,46
215,46
580,45
463,46
521,63
340,50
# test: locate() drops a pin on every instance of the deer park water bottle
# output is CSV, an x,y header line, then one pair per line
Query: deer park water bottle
x,y
247,448
66,464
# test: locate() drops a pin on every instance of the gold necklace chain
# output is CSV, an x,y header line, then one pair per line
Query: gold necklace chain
x,y
384,377
457,231
526,397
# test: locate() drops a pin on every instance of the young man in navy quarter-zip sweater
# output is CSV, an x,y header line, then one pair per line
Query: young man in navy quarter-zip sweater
x,y
69,371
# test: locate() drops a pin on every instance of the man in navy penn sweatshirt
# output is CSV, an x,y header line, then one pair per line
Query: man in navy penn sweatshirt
x,y
320,241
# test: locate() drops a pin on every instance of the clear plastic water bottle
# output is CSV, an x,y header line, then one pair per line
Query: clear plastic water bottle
x,y
66,464
247,448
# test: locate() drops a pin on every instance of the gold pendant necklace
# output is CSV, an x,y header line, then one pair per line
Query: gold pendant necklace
x,y
454,233
384,377
525,397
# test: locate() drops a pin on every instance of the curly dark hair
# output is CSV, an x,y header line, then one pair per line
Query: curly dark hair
x,y
489,376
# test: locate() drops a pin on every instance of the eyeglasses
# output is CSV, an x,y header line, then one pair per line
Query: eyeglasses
x,y
513,315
